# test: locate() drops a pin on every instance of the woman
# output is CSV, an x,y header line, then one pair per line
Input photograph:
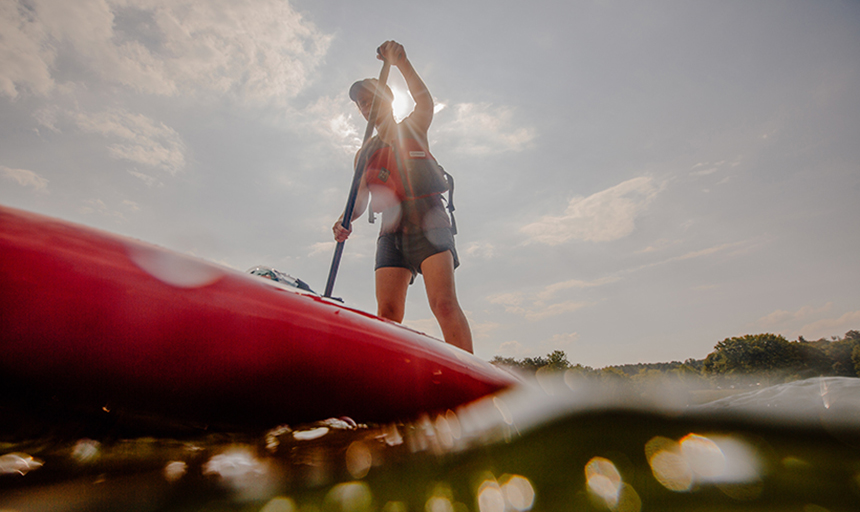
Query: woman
x,y
401,181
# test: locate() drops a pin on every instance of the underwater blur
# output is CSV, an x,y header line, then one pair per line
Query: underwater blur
x,y
558,443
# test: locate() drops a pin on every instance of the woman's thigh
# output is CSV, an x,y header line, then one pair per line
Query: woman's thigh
x,y
438,272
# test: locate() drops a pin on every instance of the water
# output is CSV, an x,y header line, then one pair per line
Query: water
x,y
557,444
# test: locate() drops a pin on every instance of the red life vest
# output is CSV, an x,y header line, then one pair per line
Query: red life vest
x,y
406,173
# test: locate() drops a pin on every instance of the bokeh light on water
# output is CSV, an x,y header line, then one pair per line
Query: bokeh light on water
x,y
18,463
557,445
175,470
519,493
490,497
607,488
603,480
239,470
279,504
696,460
349,497
86,450
359,459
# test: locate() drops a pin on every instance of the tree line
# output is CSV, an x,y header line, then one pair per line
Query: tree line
x,y
767,357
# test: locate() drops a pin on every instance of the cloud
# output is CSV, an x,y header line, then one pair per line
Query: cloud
x,y
259,50
810,321
826,327
601,217
48,117
139,139
551,290
516,349
484,330
150,181
708,168
551,310
333,119
131,137
428,326
26,61
99,207
563,340
485,250
704,172
705,252
739,248
511,349
483,129
780,318
659,245
539,306
342,127
321,248
511,301
24,178
477,129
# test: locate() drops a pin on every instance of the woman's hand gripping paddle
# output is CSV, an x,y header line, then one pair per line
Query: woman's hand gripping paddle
x,y
356,181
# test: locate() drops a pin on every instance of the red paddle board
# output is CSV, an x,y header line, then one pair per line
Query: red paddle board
x,y
100,320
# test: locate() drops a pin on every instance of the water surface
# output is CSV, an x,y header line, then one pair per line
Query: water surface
x,y
556,444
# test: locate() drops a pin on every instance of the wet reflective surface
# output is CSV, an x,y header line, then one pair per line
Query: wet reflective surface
x,y
560,444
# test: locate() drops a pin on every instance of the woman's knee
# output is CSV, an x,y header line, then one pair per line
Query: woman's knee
x,y
444,306
390,310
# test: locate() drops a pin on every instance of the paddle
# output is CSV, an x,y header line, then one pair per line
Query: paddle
x,y
356,181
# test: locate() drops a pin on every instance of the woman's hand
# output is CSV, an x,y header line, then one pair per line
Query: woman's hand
x,y
391,52
340,234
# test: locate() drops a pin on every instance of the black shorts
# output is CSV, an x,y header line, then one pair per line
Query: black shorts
x,y
409,250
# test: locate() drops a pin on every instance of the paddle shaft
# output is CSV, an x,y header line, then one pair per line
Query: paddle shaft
x,y
356,182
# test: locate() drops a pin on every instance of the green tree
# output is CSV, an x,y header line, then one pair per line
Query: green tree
x,y
760,355
505,361
555,361
810,361
751,355
533,364
839,356
855,358
612,374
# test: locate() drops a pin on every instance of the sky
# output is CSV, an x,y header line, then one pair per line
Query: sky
x,y
635,181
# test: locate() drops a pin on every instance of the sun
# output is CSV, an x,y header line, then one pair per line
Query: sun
x,y
403,103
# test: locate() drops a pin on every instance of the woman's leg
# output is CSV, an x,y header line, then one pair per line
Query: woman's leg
x,y
391,286
438,272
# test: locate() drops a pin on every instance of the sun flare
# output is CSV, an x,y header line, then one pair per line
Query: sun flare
x,y
403,103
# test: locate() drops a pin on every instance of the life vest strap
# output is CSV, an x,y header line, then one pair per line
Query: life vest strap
x,y
450,200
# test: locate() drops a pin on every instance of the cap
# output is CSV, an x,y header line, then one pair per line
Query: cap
x,y
370,84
